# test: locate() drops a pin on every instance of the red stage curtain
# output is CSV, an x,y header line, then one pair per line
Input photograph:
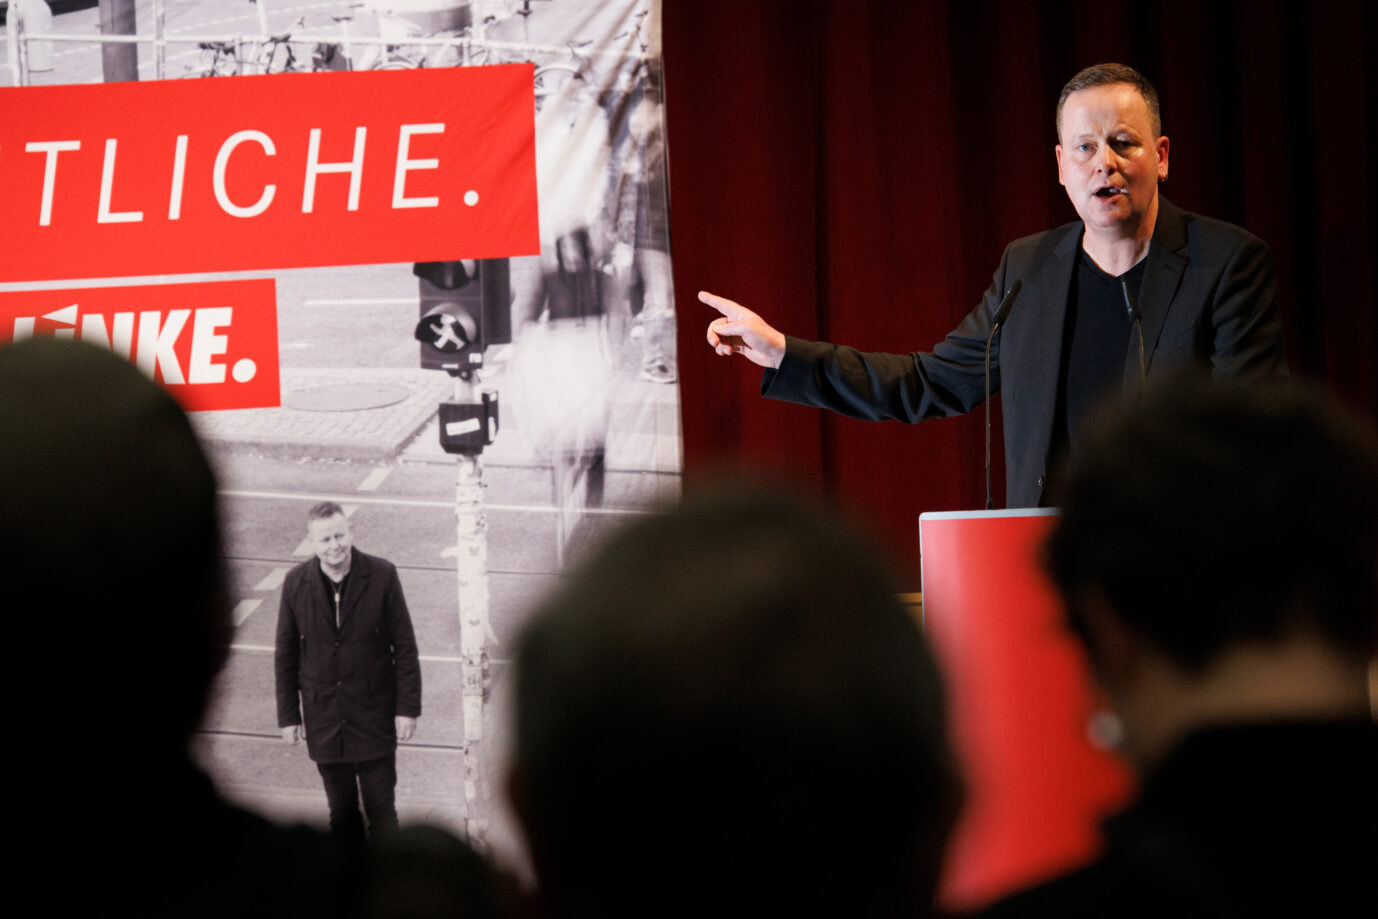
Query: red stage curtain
x,y
852,171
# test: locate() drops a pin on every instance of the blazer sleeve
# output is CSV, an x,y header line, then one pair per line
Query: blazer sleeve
x,y
405,658
1246,319
873,386
287,660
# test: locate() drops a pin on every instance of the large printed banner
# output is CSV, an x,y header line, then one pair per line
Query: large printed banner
x,y
287,170
268,243
213,345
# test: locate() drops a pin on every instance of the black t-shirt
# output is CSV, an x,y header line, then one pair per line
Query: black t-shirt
x,y
334,590
1095,343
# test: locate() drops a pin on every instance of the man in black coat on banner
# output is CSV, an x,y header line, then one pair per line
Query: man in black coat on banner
x,y
348,675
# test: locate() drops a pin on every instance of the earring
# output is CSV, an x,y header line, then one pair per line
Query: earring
x,y
1104,730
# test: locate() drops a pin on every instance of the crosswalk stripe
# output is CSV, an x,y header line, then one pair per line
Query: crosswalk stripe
x,y
244,609
273,581
375,478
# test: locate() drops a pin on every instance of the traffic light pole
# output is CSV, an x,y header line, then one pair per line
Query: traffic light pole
x,y
465,307
474,629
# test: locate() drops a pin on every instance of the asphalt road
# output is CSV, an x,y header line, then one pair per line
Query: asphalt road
x,y
403,511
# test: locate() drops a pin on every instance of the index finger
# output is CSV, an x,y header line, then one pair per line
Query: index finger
x,y
729,308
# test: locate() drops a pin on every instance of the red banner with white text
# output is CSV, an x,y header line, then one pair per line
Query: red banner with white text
x,y
213,345
287,170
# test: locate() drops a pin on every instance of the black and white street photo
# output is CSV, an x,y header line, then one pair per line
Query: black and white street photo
x,y
474,423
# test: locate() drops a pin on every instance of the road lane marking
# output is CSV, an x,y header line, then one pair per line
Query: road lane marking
x,y
433,658
403,352
244,609
273,581
361,301
417,502
412,747
375,478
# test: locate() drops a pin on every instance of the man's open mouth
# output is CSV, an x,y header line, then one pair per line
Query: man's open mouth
x,y
1109,191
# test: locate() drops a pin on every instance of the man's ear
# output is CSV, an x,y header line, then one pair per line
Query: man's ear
x,y
1110,645
516,787
518,790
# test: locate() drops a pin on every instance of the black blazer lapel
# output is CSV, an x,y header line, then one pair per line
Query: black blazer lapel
x,y
1057,281
1043,363
359,573
1167,262
321,600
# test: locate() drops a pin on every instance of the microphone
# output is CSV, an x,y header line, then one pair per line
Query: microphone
x,y
1001,315
1138,321
1007,304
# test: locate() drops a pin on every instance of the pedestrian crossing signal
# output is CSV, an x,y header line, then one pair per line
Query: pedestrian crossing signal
x,y
466,305
447,328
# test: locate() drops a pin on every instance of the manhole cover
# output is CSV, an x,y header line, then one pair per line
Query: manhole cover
x,y
345,397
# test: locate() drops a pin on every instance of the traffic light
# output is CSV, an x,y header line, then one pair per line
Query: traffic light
x,y
465,307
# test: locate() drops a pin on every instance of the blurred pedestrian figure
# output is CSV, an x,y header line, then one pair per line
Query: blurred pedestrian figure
x,y
563,366
641,254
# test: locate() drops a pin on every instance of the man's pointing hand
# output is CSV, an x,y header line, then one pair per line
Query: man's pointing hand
x,y
740,331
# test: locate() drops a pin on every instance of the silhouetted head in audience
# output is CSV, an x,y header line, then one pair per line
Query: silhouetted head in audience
x,y
1218,548
728,711
110,564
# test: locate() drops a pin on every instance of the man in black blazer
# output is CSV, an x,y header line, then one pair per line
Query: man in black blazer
x,y
348,674
1133,287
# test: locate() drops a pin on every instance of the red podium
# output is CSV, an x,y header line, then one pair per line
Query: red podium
x,y
1019,702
